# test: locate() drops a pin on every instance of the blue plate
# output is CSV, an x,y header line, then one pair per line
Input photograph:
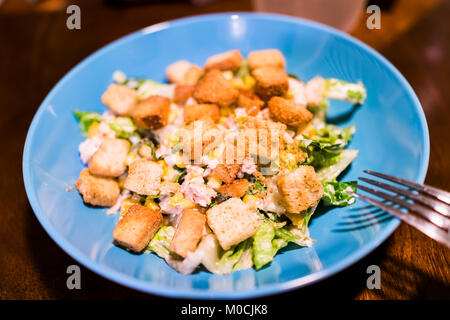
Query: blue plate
x,y
391,136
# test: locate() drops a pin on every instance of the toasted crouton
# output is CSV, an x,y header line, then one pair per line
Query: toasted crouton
x,y
182,93
230,60
268,140
188,233
144,177
236,189
152,113
227,172
199,137
270,82
200,111
300,189
289,112
250,102
109,159
183,72
214,88
120,99
137,227
232,222
97,191
315,91
266,58
192,75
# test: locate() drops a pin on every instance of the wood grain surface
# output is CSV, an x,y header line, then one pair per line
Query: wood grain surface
x,y
36,50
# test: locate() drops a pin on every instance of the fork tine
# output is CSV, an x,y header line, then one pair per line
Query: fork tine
x,y
431,215
420,224
440,207
444,196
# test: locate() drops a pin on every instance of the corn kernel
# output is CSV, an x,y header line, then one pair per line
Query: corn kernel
x,y
151,204
251,201
131,157
297,219
170,174
126,204
249,81
176,199
93,130
187,204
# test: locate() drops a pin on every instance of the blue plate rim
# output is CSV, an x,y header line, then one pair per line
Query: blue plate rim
x,y
152,288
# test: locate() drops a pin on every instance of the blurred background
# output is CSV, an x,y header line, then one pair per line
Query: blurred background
x,y
37,49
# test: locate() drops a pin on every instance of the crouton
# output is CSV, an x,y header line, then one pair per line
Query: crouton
x,y
183,72
230,60
270,82
232,222
120,99
266,58
110,159
214,88
199,137
200,111
152,113
268,138
250,102
144,177
315,91
192,75
300,189
227,172
289,112
97,191
236,189
182,93
137,227
188,233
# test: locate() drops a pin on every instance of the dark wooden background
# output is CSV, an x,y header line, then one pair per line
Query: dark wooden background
x,y
36,50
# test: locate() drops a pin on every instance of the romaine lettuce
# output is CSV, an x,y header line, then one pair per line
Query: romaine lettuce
x,y
124,127
86,119
342,90
338,193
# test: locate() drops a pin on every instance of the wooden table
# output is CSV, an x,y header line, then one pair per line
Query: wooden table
x,y
36,50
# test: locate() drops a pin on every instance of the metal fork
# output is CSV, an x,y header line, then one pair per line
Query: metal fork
x,y
428,212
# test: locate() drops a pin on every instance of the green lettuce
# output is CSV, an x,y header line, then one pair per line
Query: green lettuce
x,y
160,244
269,238
124,127
338,193
324,148
331,172
342,90
86,119
217,260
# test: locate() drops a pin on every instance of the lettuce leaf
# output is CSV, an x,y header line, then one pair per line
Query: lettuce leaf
x,y
331,172
160,244
338,193
325,146
86,119
342,90
216,260
124,127
271,237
